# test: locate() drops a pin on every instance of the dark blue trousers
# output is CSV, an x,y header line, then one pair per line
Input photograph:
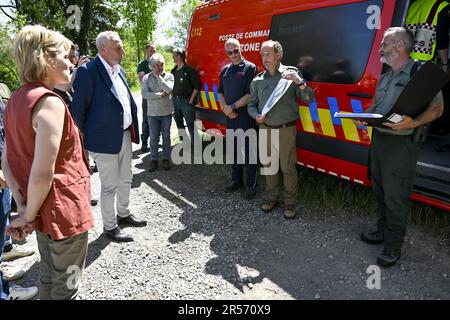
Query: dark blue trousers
x,y
243,121
4,288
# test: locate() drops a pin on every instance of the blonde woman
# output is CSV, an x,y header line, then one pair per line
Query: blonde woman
x,y
44,165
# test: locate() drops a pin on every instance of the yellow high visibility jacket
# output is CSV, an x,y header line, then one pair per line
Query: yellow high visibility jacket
x,y
421,20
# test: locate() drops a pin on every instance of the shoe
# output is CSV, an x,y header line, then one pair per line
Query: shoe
x,y
13,273
249,194
374,237
153,166
166,164
144,148
19,293
388,258
16,252
131,221
93,169
289,211
233,186
269,205
118,235
94,202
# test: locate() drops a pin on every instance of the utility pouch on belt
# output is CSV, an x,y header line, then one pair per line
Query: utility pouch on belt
x,y
420,134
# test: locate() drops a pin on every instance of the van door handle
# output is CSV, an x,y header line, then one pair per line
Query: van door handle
x,y
360,95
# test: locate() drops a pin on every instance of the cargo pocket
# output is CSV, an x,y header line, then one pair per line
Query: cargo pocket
x,y
406,178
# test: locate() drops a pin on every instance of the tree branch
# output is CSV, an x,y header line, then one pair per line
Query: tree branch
x,y
11,70
3,10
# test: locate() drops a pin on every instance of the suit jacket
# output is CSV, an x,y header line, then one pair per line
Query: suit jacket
x,y
97,110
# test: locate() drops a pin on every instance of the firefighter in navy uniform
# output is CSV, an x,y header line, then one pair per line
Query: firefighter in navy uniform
x,y
394,151
234,93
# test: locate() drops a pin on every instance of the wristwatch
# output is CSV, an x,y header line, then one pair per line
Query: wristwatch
x,y
233,106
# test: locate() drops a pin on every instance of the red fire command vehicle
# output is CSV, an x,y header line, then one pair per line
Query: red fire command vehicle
x,y
335,43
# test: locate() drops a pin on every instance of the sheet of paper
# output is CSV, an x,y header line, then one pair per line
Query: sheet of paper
x,y
277,93
395,118
358,115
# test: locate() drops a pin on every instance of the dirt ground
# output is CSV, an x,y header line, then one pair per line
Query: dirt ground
x,y
202,244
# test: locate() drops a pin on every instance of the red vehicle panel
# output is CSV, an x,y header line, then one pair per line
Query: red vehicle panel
x,y
337,39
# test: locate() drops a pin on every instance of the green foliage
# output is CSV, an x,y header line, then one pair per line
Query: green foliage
x,y
49,13
134,20
166,52
178,30
53,15
129,62
139,15
8,73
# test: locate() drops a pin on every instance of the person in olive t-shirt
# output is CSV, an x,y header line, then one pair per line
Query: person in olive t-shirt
x,y
143,69
185,89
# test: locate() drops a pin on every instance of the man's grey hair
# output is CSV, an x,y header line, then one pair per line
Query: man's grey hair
x,y
399,33
104,37
155,59
277,48
233,41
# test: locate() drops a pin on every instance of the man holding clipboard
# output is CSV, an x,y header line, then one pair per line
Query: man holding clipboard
x,y
394,151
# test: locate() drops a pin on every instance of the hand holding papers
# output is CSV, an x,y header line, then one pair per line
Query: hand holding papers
x,y
277,93
396,118
286,80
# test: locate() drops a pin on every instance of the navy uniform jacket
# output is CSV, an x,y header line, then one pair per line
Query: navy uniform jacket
x,y
97,110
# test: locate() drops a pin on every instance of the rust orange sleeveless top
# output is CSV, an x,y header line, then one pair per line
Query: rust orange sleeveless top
x,y
67,209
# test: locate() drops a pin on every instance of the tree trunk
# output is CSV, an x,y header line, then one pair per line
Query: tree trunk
x,y
86,16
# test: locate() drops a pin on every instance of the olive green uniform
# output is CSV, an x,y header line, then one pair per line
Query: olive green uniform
x,y
393,158
282,116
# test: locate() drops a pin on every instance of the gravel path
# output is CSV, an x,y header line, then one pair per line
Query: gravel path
x,y
202,244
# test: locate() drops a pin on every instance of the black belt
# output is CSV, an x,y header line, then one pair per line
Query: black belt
x,y
385,133
181,97
284,125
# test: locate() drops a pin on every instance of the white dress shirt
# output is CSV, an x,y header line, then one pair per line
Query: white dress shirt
x,y
121,90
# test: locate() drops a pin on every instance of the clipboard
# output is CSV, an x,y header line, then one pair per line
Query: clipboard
x,y
371,119
358,116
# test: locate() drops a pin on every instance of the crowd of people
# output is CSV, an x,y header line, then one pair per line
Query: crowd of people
x,y
70,108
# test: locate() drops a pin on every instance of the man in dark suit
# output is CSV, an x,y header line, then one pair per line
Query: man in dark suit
x,y
106,114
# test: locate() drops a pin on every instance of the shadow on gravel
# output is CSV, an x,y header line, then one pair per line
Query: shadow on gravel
x,y
136,153
264,255
31,277
95,249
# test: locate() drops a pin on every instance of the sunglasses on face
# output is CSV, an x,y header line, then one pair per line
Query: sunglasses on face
x,y
235,51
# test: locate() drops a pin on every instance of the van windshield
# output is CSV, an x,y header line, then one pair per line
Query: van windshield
x,y
331,44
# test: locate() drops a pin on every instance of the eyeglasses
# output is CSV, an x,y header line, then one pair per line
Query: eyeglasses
x,y
235,51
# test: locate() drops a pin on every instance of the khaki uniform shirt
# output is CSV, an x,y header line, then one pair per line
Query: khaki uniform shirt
x,y
389,89
286,109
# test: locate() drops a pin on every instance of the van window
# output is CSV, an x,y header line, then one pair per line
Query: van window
x,y
330,44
